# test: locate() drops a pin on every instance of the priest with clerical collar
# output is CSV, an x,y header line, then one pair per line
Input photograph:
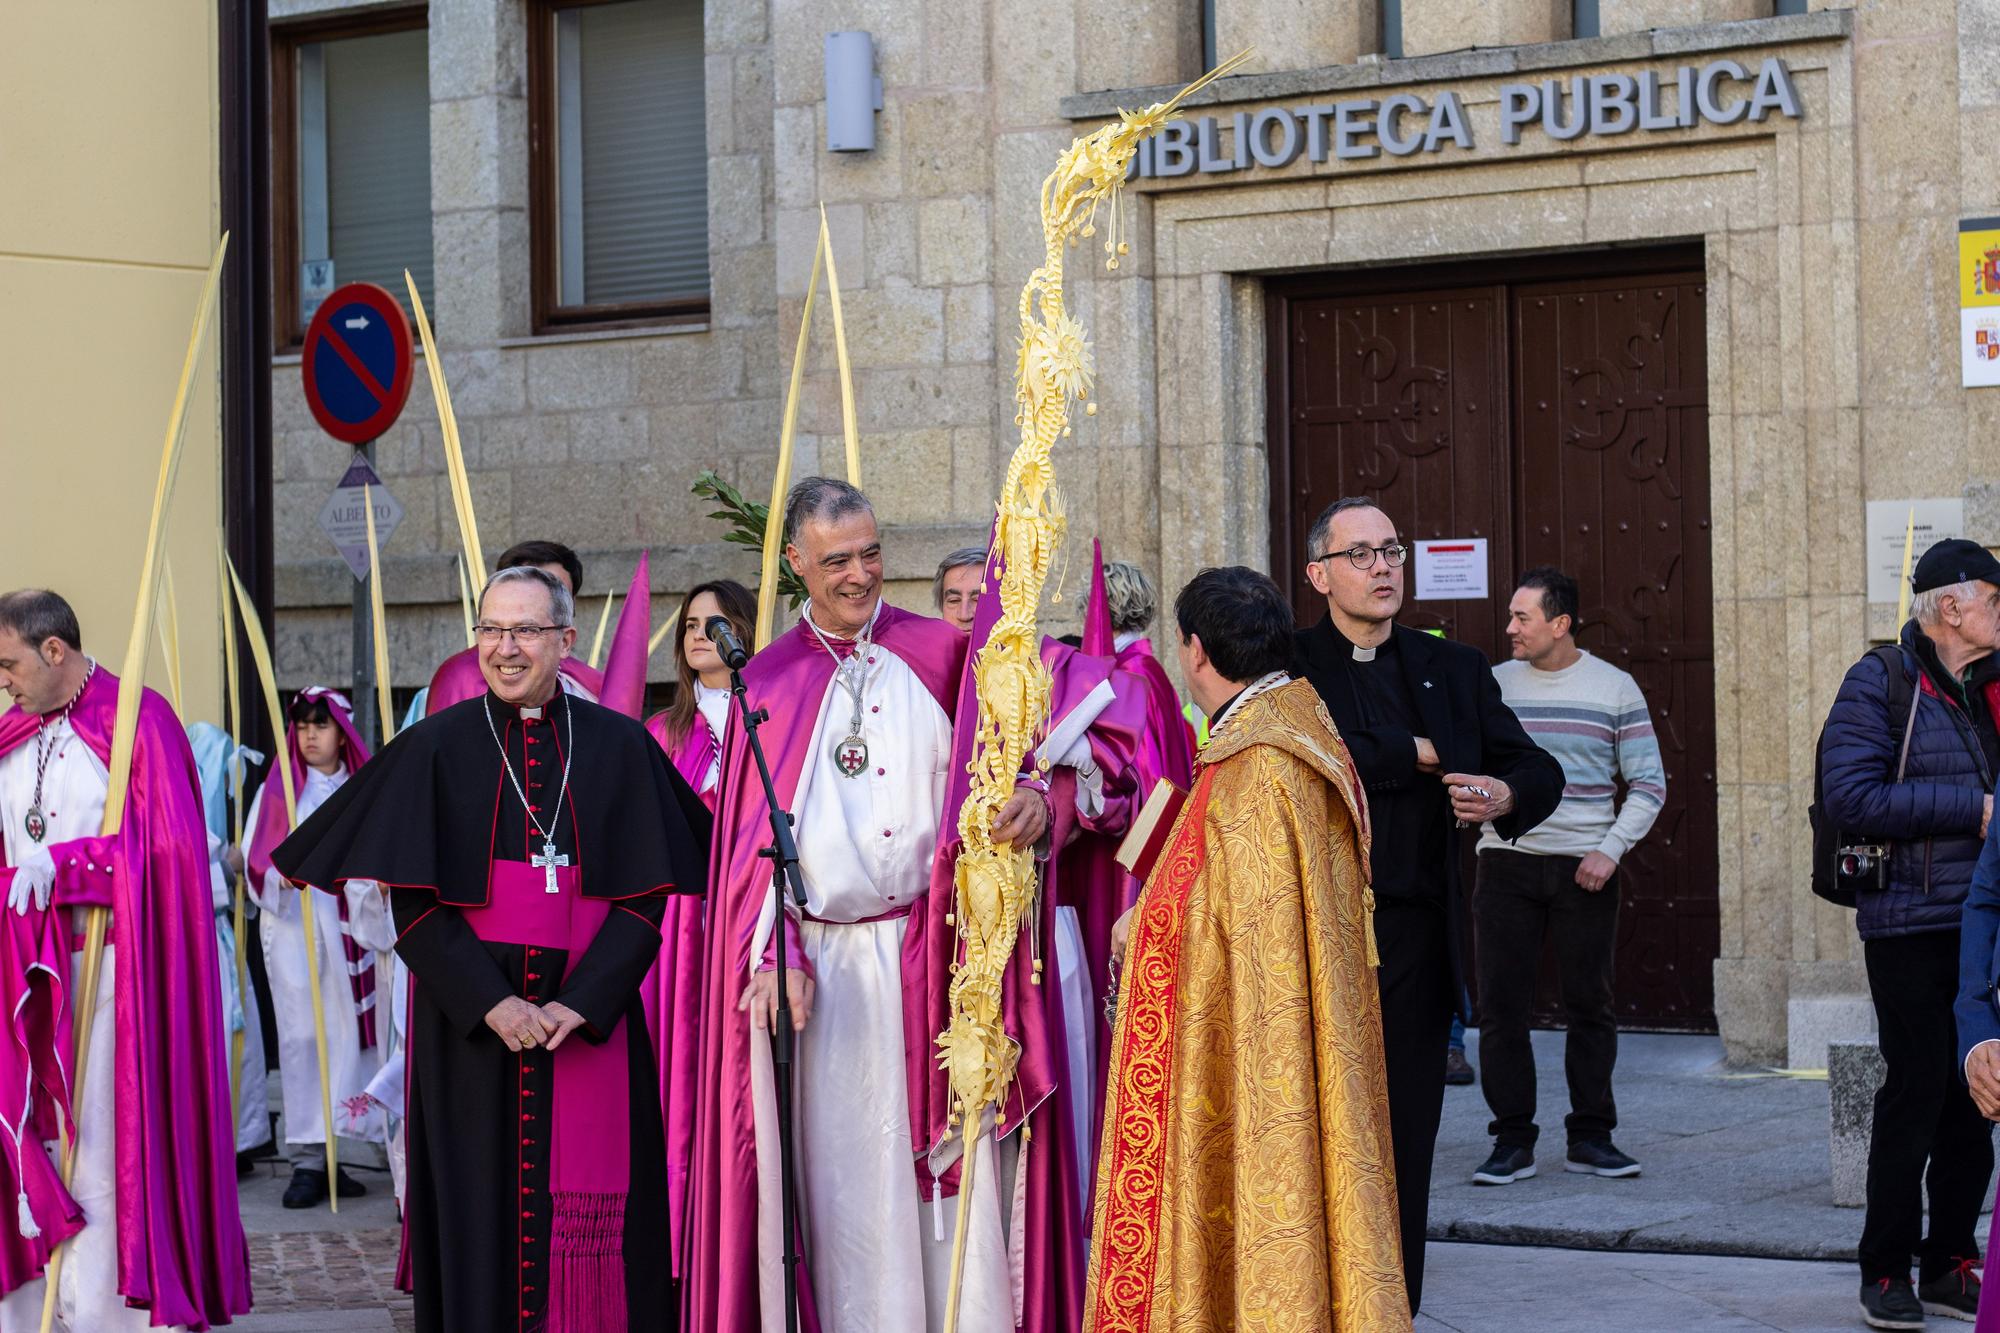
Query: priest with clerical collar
x,y
863,722
1438,752
527,838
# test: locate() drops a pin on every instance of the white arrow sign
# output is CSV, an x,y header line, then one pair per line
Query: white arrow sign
x,y
358,322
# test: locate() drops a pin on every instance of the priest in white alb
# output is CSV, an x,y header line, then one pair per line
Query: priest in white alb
x,y
860,740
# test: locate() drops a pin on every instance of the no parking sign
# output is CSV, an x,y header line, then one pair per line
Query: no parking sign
x,y
357,362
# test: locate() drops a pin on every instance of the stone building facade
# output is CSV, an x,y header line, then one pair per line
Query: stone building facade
x,y
1820,232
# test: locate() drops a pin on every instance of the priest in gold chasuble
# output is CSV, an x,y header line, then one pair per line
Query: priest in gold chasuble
x,y
1246,1179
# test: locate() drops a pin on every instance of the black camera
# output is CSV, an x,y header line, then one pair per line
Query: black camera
x,y
1863,865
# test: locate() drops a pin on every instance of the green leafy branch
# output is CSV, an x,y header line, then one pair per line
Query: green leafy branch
x,y
746,520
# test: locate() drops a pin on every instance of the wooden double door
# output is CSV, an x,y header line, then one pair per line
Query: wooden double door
x,y
1557,408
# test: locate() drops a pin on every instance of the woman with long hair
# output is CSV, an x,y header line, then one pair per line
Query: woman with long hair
x,y
691,731
692,728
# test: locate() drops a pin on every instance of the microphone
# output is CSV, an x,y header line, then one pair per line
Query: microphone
x,y
727,646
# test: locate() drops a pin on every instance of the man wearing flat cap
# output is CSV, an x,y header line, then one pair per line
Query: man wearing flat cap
x,y
1906,767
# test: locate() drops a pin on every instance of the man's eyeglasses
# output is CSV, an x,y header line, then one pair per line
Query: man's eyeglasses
x,y
1363,557
521,633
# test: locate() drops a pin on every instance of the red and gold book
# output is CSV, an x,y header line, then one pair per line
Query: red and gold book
x,y
1147,837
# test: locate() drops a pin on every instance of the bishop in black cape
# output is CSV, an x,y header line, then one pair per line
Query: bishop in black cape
x,y
537,1180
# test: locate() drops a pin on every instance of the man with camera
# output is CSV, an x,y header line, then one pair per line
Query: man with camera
x,y
1907,775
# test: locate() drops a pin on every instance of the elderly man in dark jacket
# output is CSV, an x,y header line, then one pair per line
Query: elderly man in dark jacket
x,y
1922,783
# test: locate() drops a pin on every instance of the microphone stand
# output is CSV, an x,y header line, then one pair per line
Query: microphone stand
x,y
784,855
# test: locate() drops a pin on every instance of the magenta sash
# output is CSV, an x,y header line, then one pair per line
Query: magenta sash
x,y
590,1164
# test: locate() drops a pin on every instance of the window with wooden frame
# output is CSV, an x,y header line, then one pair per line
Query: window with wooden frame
x,y
618,163
350,160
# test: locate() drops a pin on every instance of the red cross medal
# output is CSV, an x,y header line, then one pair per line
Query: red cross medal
x,y
851,757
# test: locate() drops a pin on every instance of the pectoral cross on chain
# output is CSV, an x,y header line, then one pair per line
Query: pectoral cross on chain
x,y
548,861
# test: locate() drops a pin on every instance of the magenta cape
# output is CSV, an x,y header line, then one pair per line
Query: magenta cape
x,y
35,1073
1167,748
1085,874
672,996
458,679
181,1249
1073,876
1053,1243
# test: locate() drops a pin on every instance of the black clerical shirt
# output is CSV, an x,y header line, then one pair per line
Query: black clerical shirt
x,y
1407,855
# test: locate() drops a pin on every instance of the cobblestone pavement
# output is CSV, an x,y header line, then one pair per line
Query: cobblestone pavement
x,y
302,1272
314,1271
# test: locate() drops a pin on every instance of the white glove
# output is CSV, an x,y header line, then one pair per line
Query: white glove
x,y
1089,777
34,878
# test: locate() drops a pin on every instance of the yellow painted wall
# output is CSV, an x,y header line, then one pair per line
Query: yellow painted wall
x,y
109,207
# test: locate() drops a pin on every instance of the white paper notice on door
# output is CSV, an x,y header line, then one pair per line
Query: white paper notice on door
x,y
1451,569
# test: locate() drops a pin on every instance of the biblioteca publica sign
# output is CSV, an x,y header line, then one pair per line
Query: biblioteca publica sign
x,y
1721,92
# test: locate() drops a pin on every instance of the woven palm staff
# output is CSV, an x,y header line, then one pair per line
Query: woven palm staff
x,y
996,886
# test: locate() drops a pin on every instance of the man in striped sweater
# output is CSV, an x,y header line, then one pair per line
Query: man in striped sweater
x,y
1560,880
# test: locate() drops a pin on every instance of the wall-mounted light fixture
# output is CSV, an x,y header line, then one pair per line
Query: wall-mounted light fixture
x,y
853,93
